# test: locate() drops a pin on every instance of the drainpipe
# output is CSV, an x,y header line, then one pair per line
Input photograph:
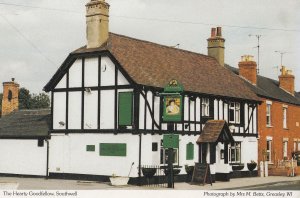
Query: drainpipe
x,y
47,163
140,156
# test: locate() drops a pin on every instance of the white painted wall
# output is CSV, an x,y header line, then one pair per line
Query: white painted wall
x,y
62,83
23,157
75,74
121,79
59,110
91,72
107,109
107,72
249,147
74,110
68,155
90,110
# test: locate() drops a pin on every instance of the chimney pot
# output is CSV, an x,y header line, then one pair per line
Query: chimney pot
x,y
213,32
219,31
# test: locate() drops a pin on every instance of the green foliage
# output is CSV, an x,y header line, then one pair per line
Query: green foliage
x,y
32,101
1,95
24,98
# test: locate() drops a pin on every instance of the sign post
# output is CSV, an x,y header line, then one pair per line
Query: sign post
x,y
172,113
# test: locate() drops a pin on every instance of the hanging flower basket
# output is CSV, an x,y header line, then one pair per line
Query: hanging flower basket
x,y
119,181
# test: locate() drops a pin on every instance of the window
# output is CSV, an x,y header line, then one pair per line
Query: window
x,y
284,117
268,114
285,145
269,151
125,108
190,151
295,146
164,155
154,146
234,112
9,97
235,153
205,107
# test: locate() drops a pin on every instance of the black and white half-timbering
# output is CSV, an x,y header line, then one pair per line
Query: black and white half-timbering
x,y
107,108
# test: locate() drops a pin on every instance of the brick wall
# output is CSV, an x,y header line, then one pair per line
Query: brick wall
x,y
10,100
276,130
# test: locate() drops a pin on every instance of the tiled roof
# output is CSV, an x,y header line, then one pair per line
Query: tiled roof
x,y
155,65
212,131
25,123
269,88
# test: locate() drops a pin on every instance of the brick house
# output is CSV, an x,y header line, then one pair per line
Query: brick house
x,y
278,115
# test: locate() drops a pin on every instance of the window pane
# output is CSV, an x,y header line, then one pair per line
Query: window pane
x,y
231,115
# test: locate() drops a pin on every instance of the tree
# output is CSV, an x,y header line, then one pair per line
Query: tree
x,y
24,98
32,101
39,101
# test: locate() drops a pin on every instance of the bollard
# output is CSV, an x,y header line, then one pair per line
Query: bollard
x,y
266,169
261,168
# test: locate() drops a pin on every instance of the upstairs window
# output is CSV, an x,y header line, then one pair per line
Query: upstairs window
x,y
234,112
125,108
269,115
205,107
284,117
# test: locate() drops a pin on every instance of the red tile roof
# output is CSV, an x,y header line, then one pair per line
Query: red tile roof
x,y
212,131
155,65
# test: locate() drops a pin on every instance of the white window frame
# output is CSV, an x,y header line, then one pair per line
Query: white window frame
x,y
269,151
205,107
268,115
235,147
284,117
164,153
236,108
285,148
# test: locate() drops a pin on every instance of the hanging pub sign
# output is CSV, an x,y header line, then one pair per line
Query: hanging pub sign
x,y
172,105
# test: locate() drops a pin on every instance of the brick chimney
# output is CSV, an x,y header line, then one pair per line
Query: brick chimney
x,y
247,69
287,80
10,99
97,21
215,46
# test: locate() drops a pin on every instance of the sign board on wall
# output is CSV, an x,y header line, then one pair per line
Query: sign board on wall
x,y
171,141
112,149
173,104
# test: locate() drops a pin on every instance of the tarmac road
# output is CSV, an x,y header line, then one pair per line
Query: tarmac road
x,y
294,185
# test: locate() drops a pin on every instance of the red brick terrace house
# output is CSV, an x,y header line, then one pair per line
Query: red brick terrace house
x,y
278,115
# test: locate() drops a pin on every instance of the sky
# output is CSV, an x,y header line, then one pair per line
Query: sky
x,y
36,36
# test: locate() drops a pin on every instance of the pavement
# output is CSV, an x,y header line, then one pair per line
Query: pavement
x,y
60,184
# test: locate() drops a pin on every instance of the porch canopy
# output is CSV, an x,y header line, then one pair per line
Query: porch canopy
x,y
215,131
